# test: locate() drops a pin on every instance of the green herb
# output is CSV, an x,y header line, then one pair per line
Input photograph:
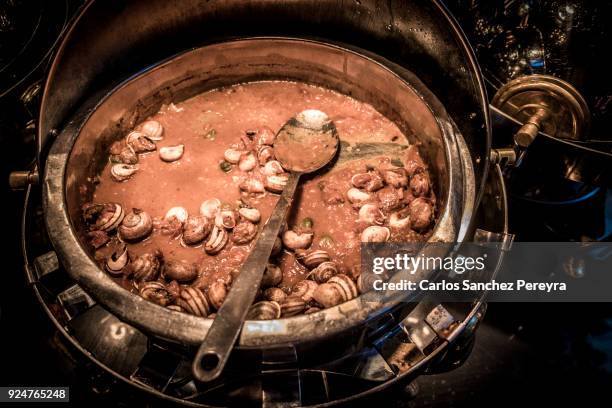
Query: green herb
x,y
225,166
326,241
397,162
307,223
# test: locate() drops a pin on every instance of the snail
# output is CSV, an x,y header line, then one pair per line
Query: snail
x,y
153,130
274,294
356,196
419,184
264,154
217,292
244,232
264,310
117,261
264,136
272,168
233,155
323,272
156,292
216,241
146,267
338,289
180,213
413,167
210,208
196,229
194,301
276,183
225,219
292,305
313,258
390,198
272,276
370,181
400,220
176,308
97,238
139,142
294,240
250,214
247,162
305,289
135,226
396,177
104,217
252,185
371,214
171,153
128,155
180,271
375,234
121,171
421,214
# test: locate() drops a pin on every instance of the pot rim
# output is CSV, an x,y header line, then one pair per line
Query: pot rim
x,y
189,329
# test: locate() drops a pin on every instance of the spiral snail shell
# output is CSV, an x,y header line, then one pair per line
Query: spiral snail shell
x,y
244,232
140,142
371,214
395,177
264,310
272,276
356,196
375,234
370,181
117,261
146,267
194,301
180,213
323,272
265,154
292,305
272,168
233,155
250,214
399,220
252,185
217,292
156,292
216,241
107,216
419,184
122,172
136,225
313,258
225,219
171,153
274,294
153,130
196,229
338,289
180,271
210,208
305,289
276,183
247,162
294,240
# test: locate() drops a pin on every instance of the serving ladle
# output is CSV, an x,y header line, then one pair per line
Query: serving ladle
x,y
304,144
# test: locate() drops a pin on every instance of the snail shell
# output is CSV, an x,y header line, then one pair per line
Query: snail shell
x,y
121,171
375,234
233,155
180,213
272,276
136,225
244,232
419,184
250,214
117,261
272,168
264,310
399,220
338,289
153,130
146,267
276,183
176,308
196,229
347,286
292,305
265,136
304,289
294,240
216,241
395,177
274,294
171,153
313,258
252,185
247,162
180,271
139,142
210,208
371,214
356,196
109,217
217,292
370,181
264,154
127,155
323,272
194,301
225,219
156,292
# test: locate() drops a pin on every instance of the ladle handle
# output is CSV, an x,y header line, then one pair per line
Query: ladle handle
x,y
219,341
